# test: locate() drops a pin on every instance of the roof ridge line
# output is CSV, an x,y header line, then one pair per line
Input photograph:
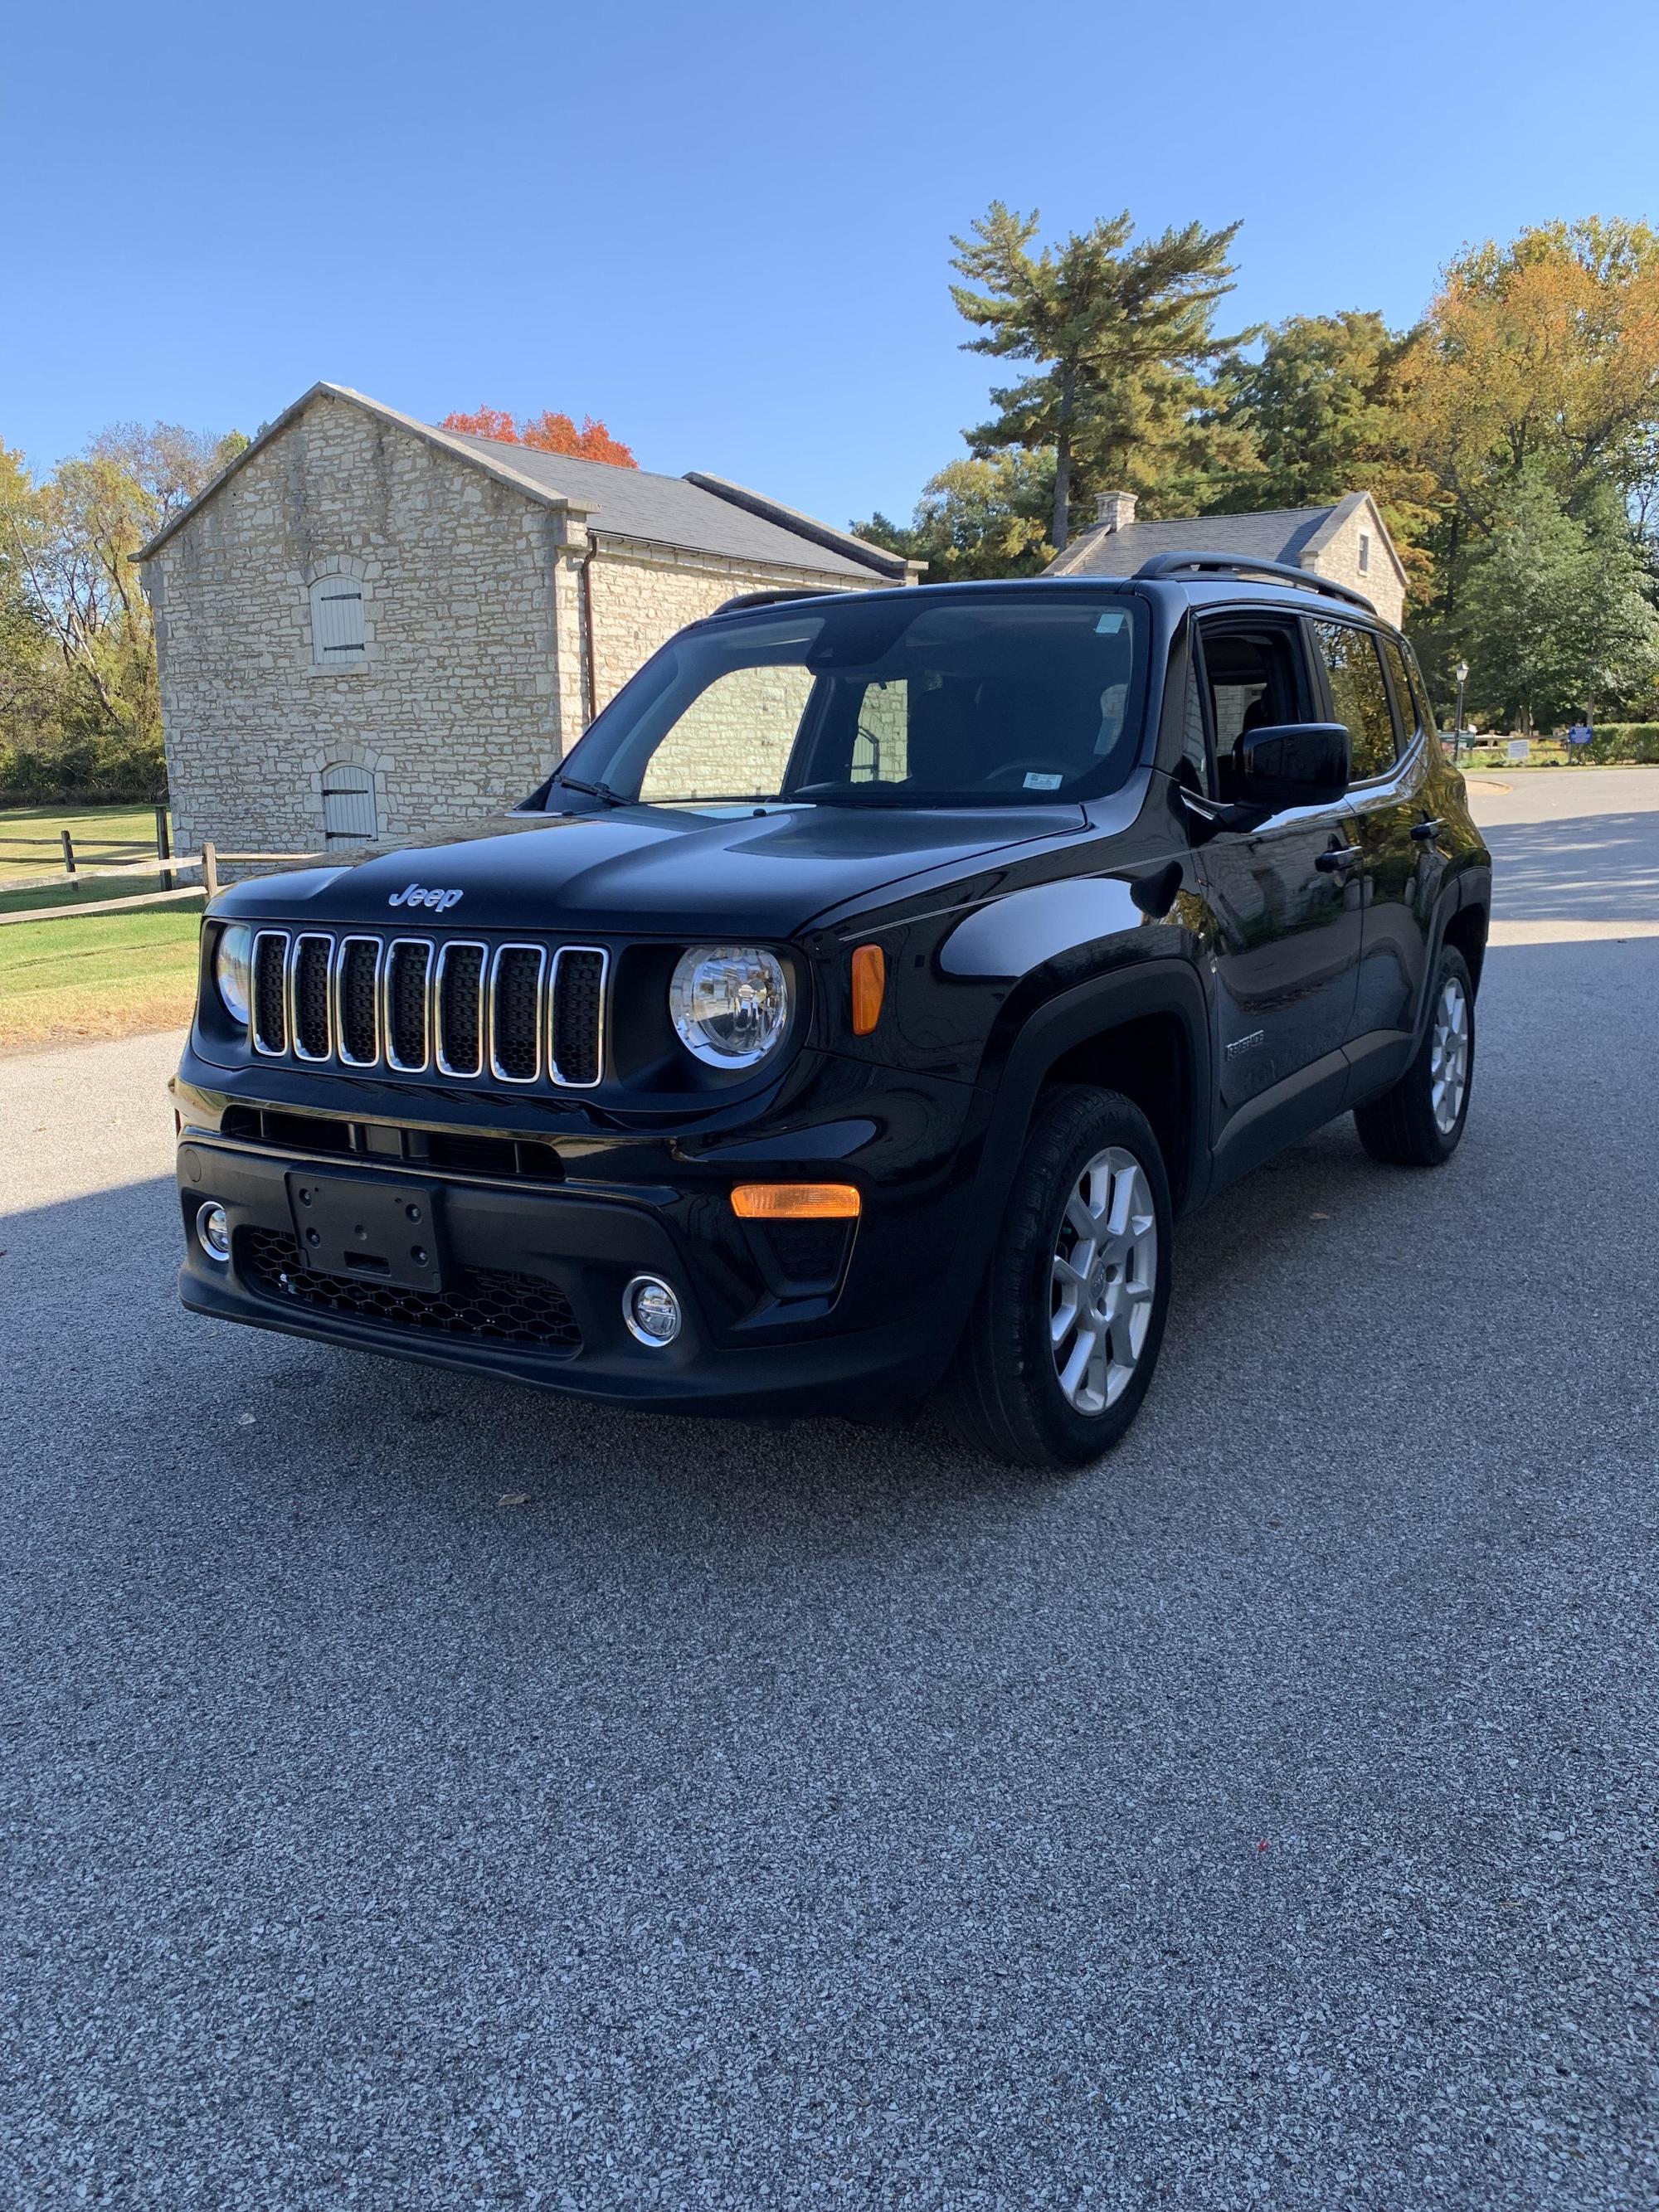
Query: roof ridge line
x,y
804,525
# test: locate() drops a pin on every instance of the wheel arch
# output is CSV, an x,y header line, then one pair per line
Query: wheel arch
x,y
1144,1032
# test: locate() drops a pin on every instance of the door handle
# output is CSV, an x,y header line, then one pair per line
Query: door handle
x,y
1339,857
1426,831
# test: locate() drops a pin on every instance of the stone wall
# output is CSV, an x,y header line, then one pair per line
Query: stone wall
x,y
643,593
473,678
1380,581
736,739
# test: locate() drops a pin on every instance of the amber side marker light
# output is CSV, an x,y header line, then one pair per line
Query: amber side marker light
x,y
869,981
795,1202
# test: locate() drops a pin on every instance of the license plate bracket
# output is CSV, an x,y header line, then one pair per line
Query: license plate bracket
x,y
369,1231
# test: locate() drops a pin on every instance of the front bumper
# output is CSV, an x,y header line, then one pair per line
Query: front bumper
x,y
877,1328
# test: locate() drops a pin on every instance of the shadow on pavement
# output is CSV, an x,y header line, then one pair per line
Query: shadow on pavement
x,y
1592,867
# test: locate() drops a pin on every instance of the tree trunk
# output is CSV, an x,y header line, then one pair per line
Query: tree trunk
x,y
1062,467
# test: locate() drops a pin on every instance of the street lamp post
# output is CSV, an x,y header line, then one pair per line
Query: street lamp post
x,y
1461,672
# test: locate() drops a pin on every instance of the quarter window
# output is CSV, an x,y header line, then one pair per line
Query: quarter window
x,y
1402,689
1360,696
337,634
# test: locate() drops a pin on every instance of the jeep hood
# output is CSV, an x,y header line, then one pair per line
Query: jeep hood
x,y
647,869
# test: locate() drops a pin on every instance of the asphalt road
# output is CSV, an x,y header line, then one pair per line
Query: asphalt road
x,y
807,1816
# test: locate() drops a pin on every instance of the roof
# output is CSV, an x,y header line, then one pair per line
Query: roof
x,y
694,514
690,512
1295,534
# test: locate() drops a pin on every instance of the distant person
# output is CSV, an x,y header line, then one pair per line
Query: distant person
x,y
1580,734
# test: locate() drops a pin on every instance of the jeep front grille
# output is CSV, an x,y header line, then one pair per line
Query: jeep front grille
x,y
460,1008
310,1027
519,1013
407,967
270,1024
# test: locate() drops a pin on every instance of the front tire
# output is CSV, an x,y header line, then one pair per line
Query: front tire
x,y
1060,1348
1419,1123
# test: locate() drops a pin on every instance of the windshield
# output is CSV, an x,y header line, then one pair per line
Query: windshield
x,y
1023,697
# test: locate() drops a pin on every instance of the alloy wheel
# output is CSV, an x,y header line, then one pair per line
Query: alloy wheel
x,y
1448,1055
1102,1279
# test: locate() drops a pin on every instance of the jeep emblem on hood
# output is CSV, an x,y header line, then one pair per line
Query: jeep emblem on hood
x,y
418,895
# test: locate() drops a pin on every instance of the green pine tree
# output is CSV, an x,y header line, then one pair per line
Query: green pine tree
x,y
1120,335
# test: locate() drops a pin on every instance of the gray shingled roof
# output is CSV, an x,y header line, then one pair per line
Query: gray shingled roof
x,y
672,511
1281,534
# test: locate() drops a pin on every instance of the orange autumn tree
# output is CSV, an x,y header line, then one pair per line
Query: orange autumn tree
x,y
548,432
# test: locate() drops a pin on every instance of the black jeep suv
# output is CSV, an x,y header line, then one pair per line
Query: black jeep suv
x,y
857,1004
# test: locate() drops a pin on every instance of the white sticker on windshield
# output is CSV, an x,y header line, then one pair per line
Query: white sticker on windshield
x,y
1111,621
1043,782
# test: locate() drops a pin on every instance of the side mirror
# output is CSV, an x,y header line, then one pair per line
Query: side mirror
x,y
1293,764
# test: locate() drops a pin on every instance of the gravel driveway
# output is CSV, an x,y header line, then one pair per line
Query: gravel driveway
x,y
790,1816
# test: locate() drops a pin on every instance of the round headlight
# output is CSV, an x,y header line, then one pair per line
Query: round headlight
x,y
730,1004
233,970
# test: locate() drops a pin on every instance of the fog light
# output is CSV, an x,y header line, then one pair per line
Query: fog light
x,y
213,1231
652,1310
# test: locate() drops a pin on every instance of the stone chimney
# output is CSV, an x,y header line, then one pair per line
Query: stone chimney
x,y
1115,510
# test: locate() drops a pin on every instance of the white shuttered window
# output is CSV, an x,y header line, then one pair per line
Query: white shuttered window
x,y
337,621
348,804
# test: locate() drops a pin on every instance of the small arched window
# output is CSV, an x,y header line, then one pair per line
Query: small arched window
x,y
348,804
337,621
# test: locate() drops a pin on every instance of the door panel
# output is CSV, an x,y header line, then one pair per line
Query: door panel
x,y
1287,936
1399,872
1285,931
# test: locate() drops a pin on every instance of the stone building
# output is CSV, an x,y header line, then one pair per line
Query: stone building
x,y
1348,543
367,626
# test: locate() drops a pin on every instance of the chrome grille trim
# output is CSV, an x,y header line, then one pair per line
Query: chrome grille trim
x,y
539,953
446,1065
388,1026
554,1073
278,1050
295,1020
341,1026
281,955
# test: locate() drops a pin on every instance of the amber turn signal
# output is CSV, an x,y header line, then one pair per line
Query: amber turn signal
x,y
869,981
795,1202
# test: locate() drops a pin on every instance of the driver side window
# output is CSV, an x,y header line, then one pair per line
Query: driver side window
x,y
1255,678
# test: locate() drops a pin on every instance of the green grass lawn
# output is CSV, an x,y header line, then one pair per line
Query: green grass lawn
x,y
97,975
29,837
103,835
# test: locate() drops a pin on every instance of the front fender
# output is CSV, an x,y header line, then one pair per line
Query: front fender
x,y
1170,987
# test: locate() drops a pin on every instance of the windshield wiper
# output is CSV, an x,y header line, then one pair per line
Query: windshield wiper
x,y
599,791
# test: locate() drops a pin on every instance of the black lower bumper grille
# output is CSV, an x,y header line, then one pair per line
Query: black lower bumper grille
x,y
486,1304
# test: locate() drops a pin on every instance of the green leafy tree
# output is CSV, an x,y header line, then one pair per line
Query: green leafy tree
x,y
977,518
1555,617
89,713
1120,334
1321,414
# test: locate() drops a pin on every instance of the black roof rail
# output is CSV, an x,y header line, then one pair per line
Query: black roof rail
x,y
1234,564
771,598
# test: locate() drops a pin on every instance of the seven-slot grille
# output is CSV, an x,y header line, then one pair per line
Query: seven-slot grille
x,y
520,1013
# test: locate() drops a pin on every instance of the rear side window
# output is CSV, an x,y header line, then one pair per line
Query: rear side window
x,y
1359,697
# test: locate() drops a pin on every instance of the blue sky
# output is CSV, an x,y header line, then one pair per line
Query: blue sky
x,y
725,229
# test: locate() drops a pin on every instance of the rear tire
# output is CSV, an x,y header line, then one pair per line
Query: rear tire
x,y
1419,1123
1060,1348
